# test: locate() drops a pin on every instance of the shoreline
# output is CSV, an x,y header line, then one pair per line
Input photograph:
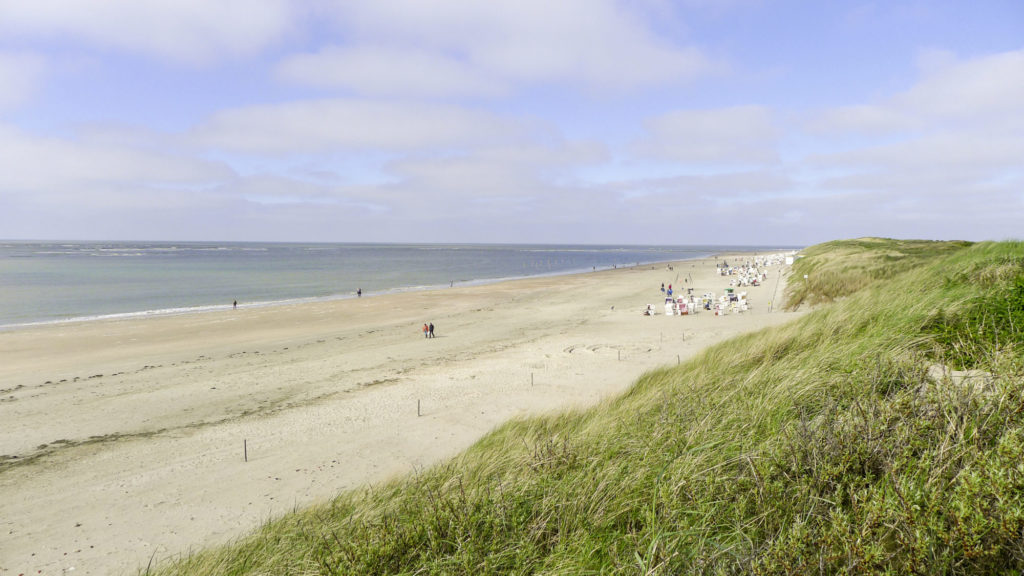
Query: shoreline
x,y
711,252
139,425
208,308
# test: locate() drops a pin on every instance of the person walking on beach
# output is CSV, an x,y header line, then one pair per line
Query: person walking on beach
x,y
431,329
426,330
359,293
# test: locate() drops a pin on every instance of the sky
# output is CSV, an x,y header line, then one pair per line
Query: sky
x,y
511,121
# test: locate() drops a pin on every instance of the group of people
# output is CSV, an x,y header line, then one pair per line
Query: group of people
x,y
746,275
428,330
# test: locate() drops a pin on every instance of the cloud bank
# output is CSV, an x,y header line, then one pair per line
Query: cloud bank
x,y
459,121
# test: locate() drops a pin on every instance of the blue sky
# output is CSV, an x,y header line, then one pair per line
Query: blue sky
x,y
590,121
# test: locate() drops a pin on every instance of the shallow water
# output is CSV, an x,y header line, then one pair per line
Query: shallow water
x,y
44,282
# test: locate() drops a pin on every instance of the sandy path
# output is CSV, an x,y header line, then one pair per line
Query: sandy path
x,y
129,435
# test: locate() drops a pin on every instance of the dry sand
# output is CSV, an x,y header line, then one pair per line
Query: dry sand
x,y
130,434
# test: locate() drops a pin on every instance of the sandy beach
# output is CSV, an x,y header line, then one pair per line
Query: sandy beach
x,y
140,439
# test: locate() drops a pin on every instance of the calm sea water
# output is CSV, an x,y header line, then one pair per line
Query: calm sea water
x,y
55,282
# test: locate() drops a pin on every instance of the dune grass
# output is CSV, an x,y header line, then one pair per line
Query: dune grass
x,y
841,267
825,446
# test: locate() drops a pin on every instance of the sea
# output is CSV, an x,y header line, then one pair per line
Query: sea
x,y
53,282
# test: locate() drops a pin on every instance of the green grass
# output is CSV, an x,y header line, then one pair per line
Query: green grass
x,y
842,267
819,447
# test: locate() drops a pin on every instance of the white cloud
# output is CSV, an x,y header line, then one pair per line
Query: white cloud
x,y
393,157
20,75
311,126
273,190
709,189
184,30
938,158
985,93
989,88
491,193
389,71
861,119
501,171
594,44
943,153
68,169
738,135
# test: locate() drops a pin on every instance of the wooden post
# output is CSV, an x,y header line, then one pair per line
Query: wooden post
x,y
531,378
245,449
418,407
